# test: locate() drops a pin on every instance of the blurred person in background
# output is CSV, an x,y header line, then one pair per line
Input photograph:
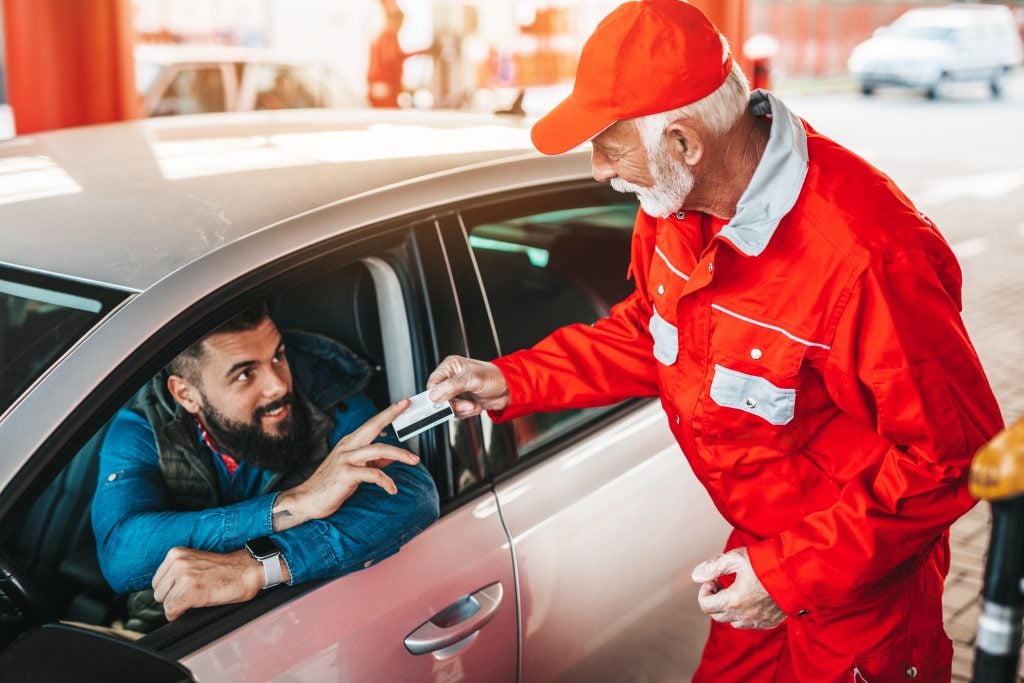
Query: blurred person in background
x,y
387,60
800,321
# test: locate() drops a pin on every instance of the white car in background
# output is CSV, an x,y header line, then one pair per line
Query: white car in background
x,y
200,79
927,47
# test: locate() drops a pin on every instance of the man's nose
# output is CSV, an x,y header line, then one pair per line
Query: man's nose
x,y
274,385
601,166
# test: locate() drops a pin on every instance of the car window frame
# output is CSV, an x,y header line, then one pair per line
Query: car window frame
x,y
66,439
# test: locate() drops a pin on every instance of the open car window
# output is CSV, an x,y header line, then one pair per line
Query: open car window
x,y
362,305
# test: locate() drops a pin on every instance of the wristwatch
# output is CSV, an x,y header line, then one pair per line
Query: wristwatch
x,y
268,553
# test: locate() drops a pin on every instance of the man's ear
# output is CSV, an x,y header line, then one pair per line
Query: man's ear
x,y
185,393
685,142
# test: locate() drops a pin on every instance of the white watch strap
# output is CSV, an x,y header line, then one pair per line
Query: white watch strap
x,y
272,573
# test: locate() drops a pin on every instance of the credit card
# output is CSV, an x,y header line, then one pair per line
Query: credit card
x,y
421,416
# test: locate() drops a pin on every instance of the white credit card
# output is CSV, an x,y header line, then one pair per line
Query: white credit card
x,y
421,416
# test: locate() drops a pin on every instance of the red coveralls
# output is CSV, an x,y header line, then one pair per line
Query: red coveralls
x,y
815,371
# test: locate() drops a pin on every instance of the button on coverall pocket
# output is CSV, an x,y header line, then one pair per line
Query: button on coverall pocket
x,y
927,659
754,395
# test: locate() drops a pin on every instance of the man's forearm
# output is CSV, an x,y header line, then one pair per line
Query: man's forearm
x,y
190,578
133,546
368,527
287,511
581,366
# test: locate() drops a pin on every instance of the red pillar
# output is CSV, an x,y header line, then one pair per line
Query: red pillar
x,y
69,62
730,16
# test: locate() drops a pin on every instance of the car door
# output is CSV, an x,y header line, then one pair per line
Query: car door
x,y
605,517
443,608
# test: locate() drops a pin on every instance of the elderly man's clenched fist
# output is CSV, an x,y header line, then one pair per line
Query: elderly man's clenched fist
x,y
744,604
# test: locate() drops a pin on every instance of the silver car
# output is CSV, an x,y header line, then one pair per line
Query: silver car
x,y
566,540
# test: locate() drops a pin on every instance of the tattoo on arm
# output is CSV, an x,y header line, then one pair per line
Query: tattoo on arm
x,y
282,519
287,512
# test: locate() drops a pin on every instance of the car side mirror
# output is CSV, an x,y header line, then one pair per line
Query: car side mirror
x,y
56,652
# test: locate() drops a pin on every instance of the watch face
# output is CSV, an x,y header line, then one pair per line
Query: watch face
x,y
262,547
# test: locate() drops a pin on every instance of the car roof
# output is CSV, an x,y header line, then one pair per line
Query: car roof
x,y
126,204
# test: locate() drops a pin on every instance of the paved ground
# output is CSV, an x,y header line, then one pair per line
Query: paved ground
x,y
994,311
961,159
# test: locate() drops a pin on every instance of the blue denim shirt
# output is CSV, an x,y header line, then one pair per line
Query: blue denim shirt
x,y
134,527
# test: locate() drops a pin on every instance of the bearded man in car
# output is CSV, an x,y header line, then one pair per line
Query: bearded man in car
x,y
800,321
253,460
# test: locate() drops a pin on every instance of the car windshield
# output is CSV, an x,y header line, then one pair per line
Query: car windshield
x,y
40,318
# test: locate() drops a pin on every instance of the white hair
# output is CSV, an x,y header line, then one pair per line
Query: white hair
x,y
719,111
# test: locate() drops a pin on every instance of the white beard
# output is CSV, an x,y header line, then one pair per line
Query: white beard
x,y
672,184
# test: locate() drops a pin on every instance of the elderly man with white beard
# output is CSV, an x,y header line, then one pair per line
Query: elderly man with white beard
x,y
800,321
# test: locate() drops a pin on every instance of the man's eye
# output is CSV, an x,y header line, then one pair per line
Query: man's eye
x,y
279,356
242,377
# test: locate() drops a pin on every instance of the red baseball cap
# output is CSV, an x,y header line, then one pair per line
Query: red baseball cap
x,y
646,57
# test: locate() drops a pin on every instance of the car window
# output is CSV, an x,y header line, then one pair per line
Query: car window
x,y
194,90
361,304
545,270
286,87
924,32
40,318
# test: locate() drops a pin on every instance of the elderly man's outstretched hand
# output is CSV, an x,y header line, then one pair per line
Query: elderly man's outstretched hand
x,y
472,386
744,604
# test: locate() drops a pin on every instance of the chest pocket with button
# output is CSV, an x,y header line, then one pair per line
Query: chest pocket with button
x,y
753,394
664,287
753,390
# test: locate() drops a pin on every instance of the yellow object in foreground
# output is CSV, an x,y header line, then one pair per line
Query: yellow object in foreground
x,y
997,472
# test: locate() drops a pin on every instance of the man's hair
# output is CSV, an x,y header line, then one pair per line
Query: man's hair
x,y
186,364
719,111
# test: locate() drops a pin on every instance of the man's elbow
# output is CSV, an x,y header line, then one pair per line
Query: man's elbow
x,y
120,578
122,562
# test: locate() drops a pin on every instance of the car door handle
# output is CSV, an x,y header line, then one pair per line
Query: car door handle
x,y
457,621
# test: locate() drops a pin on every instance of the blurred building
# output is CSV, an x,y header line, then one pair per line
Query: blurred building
x,y
482,50
334,32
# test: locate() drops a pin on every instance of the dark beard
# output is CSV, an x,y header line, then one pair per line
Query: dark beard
x,y
247,442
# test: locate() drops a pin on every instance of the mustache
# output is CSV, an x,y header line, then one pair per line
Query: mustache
x,y
620,185
285,401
